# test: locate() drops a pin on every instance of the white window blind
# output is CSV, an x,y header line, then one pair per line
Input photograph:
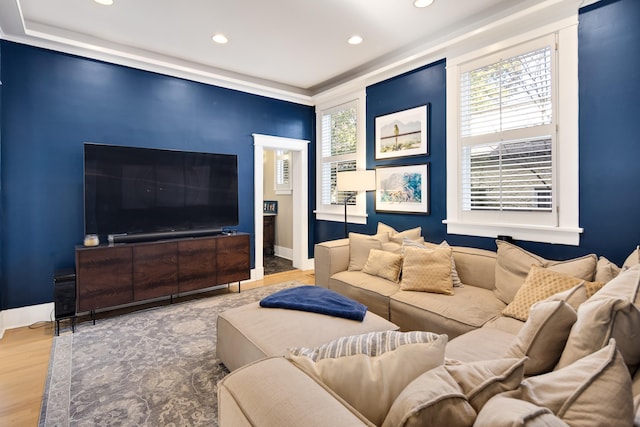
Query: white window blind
x,y
339,151
507,135
282,172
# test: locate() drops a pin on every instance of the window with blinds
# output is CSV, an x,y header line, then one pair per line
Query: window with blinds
x,y
338,149
507,133
282,165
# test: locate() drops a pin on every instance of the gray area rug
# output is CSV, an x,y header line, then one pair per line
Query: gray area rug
x,y
155,367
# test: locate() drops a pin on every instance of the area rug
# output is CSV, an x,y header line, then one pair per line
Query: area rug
x,y
148,368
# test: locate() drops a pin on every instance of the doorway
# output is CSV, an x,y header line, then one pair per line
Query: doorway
x,y
299,177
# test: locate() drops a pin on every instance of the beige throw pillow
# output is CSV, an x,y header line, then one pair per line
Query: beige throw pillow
x,y
427,271
513,264
502,411
593,391
451,395
541,283
598,321
543,336
398,236
606,270
369,371
432,399
359,247
457,283
384,264
633,259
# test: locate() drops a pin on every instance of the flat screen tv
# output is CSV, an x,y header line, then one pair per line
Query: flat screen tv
x,y
138,191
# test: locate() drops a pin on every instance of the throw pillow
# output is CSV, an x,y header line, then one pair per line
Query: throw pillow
x,y
369,371
397,236
513,264
606,270
359,247
501,411
482,380
427,271
540,283
434,398
573,296
396,247
598,321
593,391
384,264
543,336
457,283
626,284
451,395
633,259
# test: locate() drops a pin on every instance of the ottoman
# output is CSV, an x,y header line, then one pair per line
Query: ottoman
x,y
249,333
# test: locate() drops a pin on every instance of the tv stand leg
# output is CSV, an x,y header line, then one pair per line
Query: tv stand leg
x,y
93,317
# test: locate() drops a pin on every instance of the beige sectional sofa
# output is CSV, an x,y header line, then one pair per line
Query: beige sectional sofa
x,y
518,353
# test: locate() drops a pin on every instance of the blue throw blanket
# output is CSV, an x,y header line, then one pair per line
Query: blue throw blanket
x,y
317,300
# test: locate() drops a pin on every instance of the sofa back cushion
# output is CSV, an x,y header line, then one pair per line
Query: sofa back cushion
x,y
475,267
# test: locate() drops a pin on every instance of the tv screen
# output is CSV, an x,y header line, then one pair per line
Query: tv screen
x,y
143,190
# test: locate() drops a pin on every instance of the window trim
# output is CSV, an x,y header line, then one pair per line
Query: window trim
x,y
356,214
567,230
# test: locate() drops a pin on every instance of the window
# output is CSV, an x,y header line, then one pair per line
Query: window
x,y
282,165
504,150
340,148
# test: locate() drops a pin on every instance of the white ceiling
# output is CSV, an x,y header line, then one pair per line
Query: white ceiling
x,y
299,46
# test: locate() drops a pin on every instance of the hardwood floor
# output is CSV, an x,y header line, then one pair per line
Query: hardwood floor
x,y
24,359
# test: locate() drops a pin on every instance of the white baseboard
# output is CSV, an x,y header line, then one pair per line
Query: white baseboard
x,y
282,252
25,316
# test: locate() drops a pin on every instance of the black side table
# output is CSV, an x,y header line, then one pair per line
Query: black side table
x,y
64,297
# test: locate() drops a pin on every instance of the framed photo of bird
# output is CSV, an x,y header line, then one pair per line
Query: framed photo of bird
x,y
404,133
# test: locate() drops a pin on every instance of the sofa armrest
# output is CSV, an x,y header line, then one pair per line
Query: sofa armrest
x,y
274,392
330,258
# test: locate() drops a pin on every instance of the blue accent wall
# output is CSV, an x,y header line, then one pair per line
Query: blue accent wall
x,y
54,102
609,78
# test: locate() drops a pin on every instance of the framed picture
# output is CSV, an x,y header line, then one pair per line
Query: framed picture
x,y
403,189
270,207
403,133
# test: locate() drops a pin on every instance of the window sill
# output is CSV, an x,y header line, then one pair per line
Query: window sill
x,y
545,234
352,218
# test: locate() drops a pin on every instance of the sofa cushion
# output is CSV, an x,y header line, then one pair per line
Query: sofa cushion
x,y
626,284
541,283
470,308
593,391
427,270
372,291
502,411
543,336
598,321
384,264
479,344
359,247
475,267
368,377
434,398
513,264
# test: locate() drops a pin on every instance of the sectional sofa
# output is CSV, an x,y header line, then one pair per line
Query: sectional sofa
x,y
513,339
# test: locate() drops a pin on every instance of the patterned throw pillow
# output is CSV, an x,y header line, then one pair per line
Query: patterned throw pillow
x,y
455,279
369,371
541,283
427,271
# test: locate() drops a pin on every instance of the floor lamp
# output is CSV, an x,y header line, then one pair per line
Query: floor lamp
x,y
354,181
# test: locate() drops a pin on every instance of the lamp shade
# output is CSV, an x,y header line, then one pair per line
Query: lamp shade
x,y
364,180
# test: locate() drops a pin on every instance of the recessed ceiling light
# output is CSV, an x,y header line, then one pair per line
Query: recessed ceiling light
x,y
422,3
220,38
355,40
105,2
